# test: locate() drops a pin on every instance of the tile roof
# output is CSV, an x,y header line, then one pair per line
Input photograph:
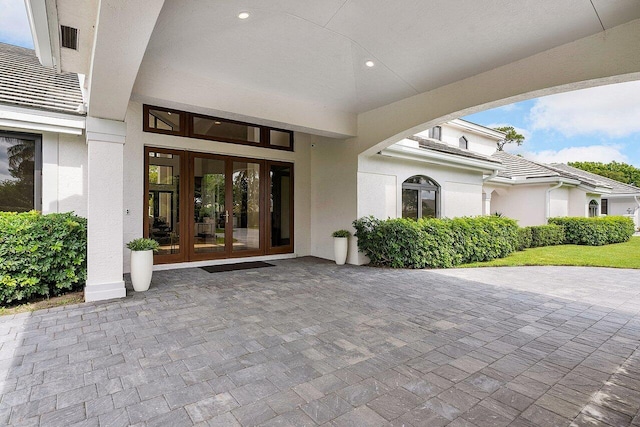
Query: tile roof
x,y
519,167
617,187
25,82
441,147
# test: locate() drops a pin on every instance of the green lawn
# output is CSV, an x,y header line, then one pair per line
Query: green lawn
x,y
619,255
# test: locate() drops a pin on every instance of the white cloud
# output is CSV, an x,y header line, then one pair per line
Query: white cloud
x,y
508,107
14,24
613,111
594,153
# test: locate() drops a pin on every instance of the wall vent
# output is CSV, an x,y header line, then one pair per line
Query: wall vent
x,y
69,37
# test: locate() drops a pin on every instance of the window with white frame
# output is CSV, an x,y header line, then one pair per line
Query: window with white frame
x,y
593,209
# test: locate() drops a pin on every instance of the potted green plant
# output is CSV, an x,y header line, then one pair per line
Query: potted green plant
x,y
341,245
142,262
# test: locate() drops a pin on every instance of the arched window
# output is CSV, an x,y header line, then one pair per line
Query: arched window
x,y
420,198
463,143
436,133
593,208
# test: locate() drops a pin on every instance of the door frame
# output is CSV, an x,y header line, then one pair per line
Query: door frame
x,y
182,227
186,189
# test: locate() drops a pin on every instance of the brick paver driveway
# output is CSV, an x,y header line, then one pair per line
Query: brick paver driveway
x,y
310,343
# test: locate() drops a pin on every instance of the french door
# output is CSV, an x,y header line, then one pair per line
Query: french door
x,y
204,206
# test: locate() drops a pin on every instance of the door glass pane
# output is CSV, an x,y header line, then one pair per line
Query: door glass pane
x,y
280,205
246,206
17,170
409,203
428,204
163,201
209,205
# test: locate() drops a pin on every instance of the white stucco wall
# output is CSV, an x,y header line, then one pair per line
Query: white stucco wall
x,y
559,202
134,174
380,181
622,205
477,142
64,173
526,204
578,202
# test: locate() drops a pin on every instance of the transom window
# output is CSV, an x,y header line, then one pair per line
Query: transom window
x,y
593,208
420,198
182,123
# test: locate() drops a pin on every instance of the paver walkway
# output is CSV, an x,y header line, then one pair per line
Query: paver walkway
x,y
311,343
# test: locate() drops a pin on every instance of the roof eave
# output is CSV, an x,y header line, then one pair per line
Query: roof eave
x,y
38,14
435,157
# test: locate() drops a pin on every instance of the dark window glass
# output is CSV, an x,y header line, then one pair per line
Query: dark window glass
x,y
209,205
463,143
280,205
420,198
604,206
280,139
436,133
410,203
218,129
20,166
164,120
164,201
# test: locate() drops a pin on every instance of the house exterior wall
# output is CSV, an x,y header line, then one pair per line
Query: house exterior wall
x,y
559,202
622,205
134,174
526,204
477,142
578,202
64,177
380,187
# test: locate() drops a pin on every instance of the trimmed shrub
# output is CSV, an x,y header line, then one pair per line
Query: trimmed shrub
x,y
435,243
595,231
546,235
41,255
525,238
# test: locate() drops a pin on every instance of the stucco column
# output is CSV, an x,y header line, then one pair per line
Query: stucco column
x,y
486,203
105,140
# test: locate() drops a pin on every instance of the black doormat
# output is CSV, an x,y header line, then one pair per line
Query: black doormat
x,y
234,267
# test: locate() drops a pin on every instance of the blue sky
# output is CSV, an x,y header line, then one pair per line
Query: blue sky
x,y
598,124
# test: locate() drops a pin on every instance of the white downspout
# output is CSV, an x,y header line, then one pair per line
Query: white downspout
x,y
495,173
548,199
636,211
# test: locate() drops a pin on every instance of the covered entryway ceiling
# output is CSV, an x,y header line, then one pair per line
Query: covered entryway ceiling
x,y
315,51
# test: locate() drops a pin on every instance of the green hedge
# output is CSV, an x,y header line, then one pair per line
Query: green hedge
x,y
546,235
525,238
595,231
41,255
435,243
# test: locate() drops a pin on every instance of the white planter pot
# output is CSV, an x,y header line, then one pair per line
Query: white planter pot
x,y
141,269
340,247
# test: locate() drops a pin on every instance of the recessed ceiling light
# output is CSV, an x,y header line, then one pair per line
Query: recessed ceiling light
x,y
369,63
217,123
243,15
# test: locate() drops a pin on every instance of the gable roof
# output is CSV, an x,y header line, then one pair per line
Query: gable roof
x,y
519,167
25,82
617,187
441,147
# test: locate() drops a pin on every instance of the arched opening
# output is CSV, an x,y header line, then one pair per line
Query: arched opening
x,y
420,198
463,143
593,209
